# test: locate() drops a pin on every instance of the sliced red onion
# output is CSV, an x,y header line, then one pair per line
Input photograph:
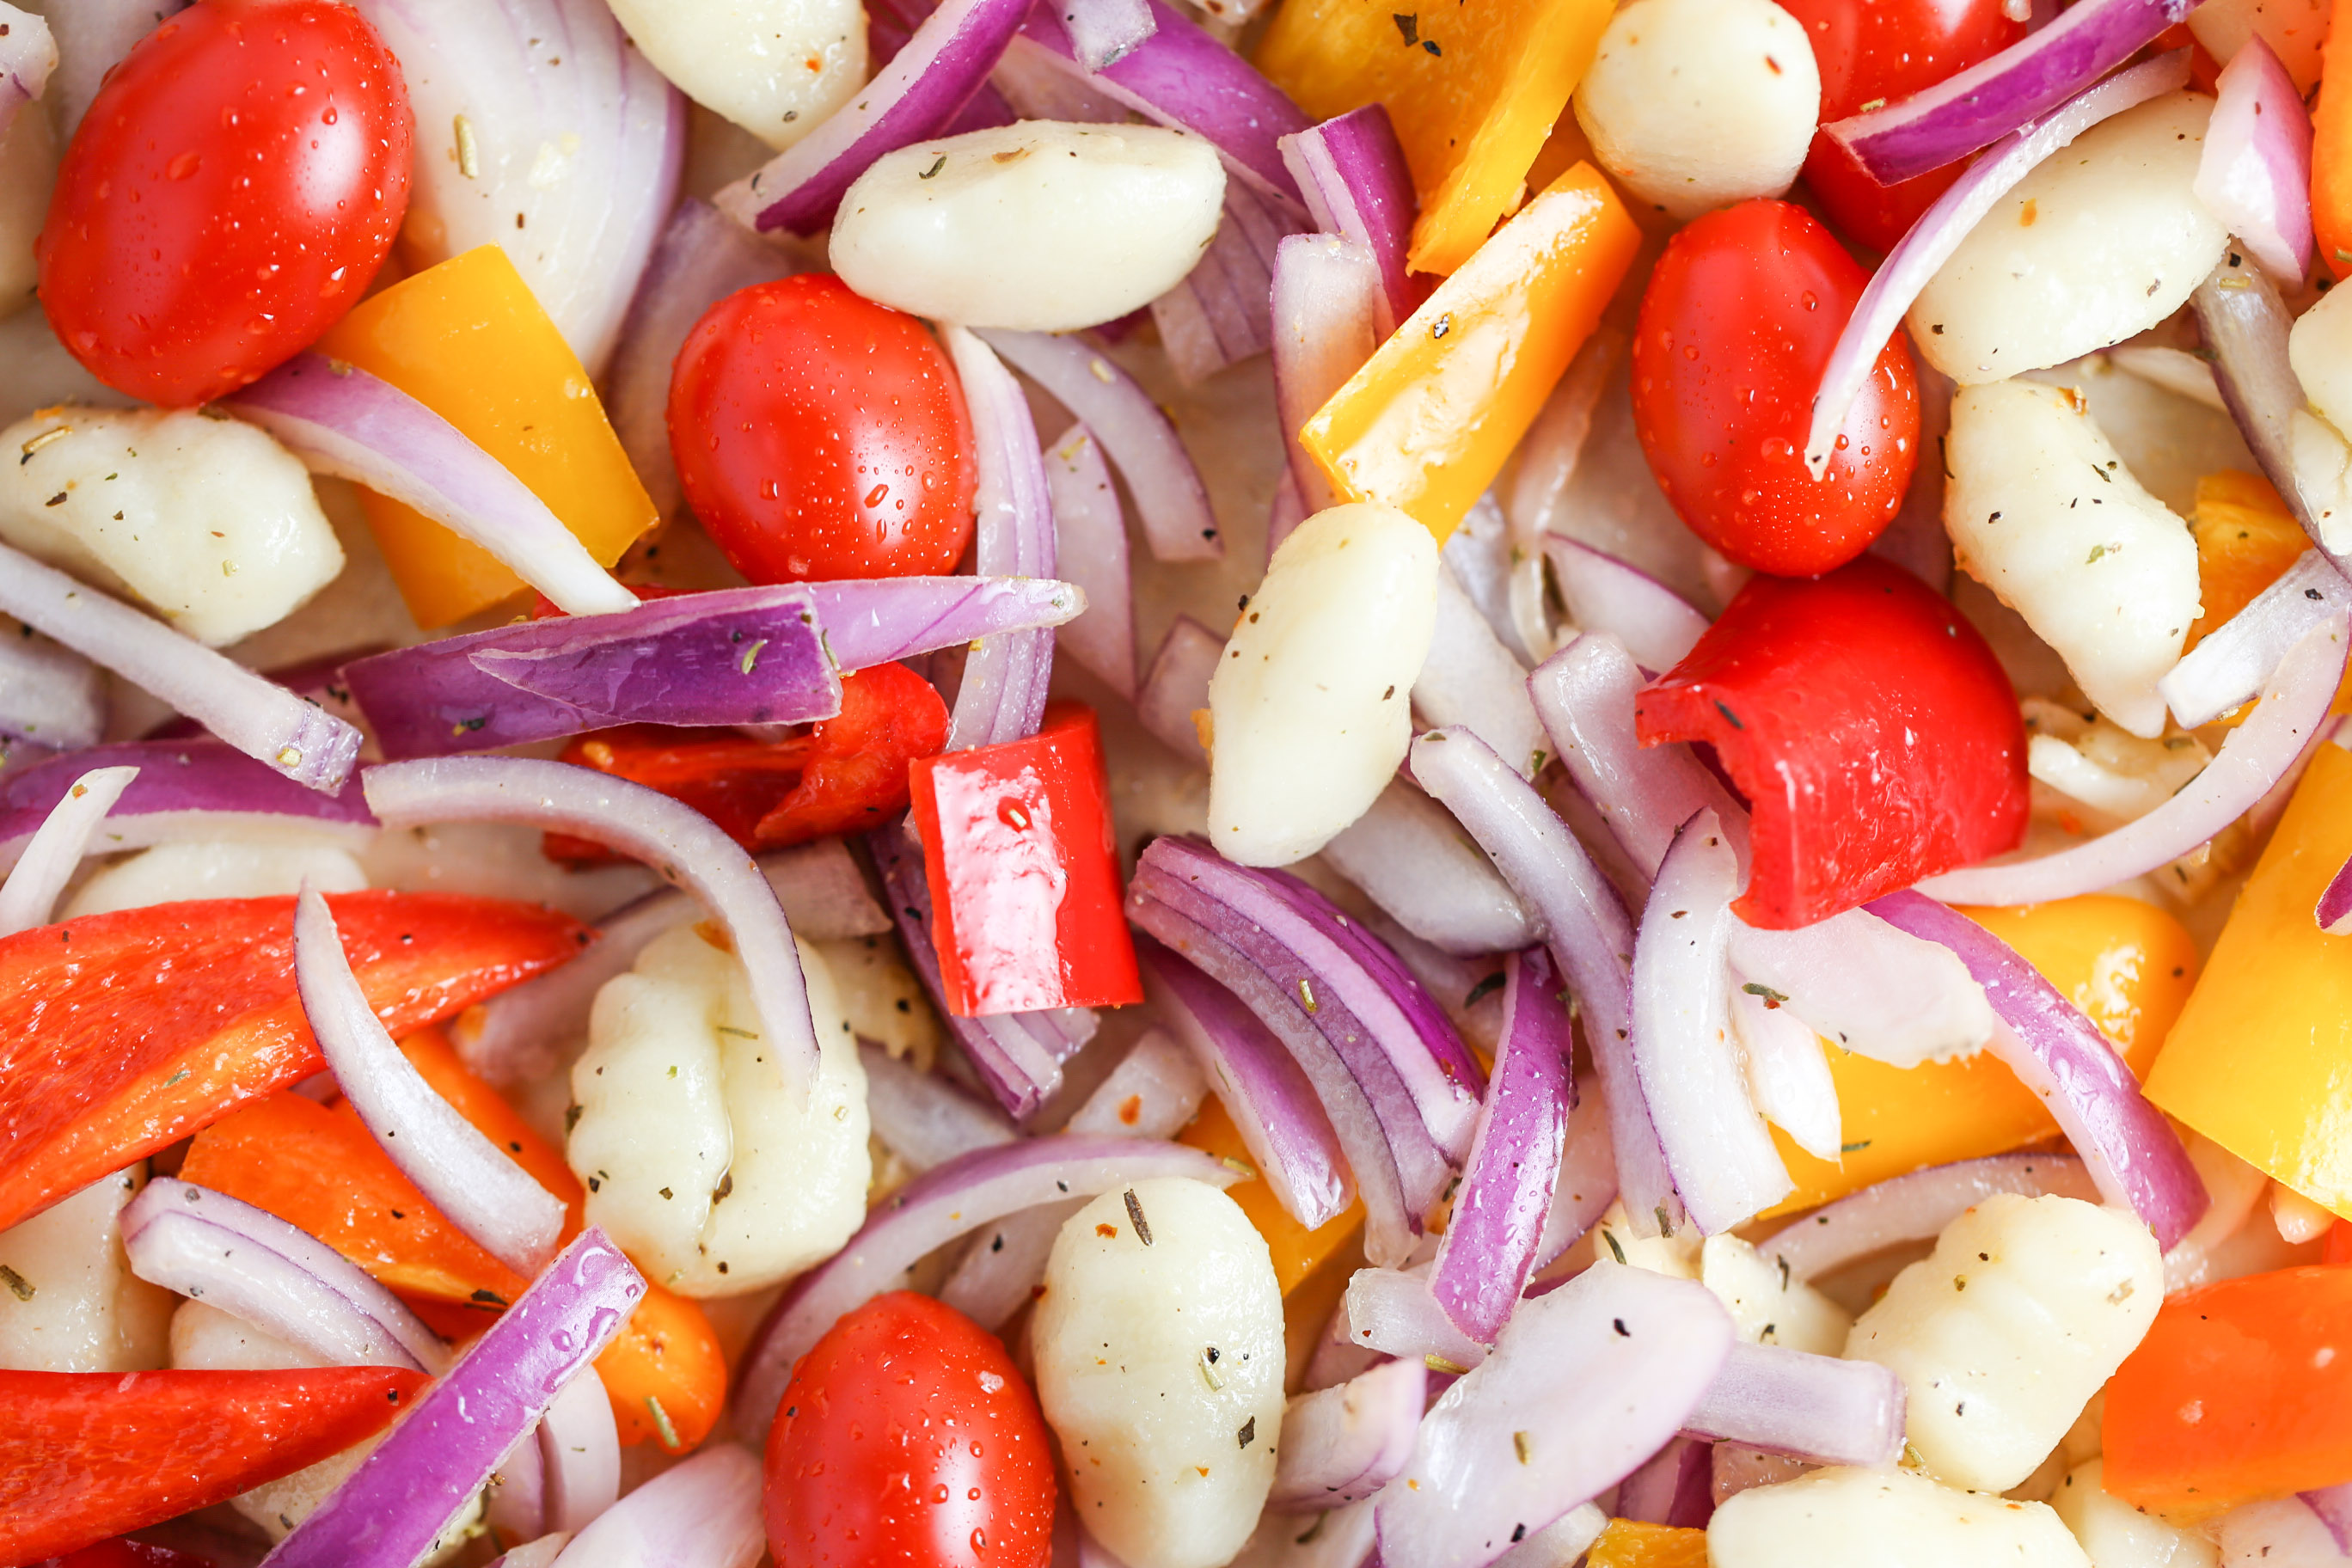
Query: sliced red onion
x,y
1931,241
211,1247
1407,855
1154,1092
1273,1105
1916,1207
704,1513
1284,513
1788,1075
2255,756
2333,910
2333,1507
53,853
1604,594
2230,663
998,1271
1585,1382
923,86
872,621
48,696
2024,82
1176,687
678,841
1103,32
28,55
1090,542
1392,1312
1817,1409
1490,1242
1169,499
2130,1149
921,1117
1352,172
1342,1444
541,1552
1328,304
2255,172
1586,928
2244,325
343,421
1003,697
469,1178
928,1213
1470,680
1586,1183
256,716
564,1474
1219,314
701,258
428,1467
1675,1487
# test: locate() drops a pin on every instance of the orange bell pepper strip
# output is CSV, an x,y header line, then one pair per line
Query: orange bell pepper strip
x,y
665,1374
469,340
1297,1251
2241,1390
2331,151
124,1032
1629,1543
1473,92
1428,421
85,1455
2246,538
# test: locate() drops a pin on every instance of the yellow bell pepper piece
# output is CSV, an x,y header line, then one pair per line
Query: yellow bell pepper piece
x,y
1297,1251
1628,1543
1428,421
2246,538
469,340
1473,91
2260,1061
2128,965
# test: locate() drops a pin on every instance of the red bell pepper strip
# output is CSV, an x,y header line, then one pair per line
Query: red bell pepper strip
x,y
846,775
88,1454
1024,874
1867,724
121,1033
124,1552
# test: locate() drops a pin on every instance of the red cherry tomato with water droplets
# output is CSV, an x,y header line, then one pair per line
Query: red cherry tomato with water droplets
x,y
233,189
820,436
909,1438
1736,325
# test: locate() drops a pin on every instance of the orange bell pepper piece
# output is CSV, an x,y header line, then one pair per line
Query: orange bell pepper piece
x,y
1428,421
467,340
2331,151
2246,538
665,1374
1471,90
1297,1251
1629,1543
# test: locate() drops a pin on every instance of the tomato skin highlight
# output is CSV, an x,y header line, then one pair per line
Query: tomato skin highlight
x,y
234,188
820,436
907,1437
1736,328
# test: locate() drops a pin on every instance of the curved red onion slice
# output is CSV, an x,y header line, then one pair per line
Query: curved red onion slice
x,y
1154,1092
54,852
1169,499
2231,662
1916,1207
1273,1105
2333,1507
998,1273
1604,594
2256,756
925,85
2333,910
1931,241
1103,32
469,1178
258,717
1003,697
1472,680
2255,172
704,1513
1352,172
1176,687
678,841
1407,855
1391,1311
1585,927
49,696
281,1279
1585,1382
2129,1148
428,1467
539,1553
921,1117
343,421
564,1474
1090,543
1675,1487
928,1213
1586,1183
1490,1242
1327,303
28,55
1343,1444
1976,107
876,620
2244,325
1817,1409
1219,313
1788,1075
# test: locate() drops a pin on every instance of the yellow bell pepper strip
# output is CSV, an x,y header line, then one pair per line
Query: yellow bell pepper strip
x,y
467,340
1297,1251
2128,965
1473,91
2260,1061
1629,1543
1428,422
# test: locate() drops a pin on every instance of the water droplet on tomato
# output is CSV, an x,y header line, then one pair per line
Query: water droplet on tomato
x,y
875,496
184,164
329,117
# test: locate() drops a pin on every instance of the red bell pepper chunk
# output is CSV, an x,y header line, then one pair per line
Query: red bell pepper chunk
x,y
1869,726
88,1454
1024,874
124,1552
121,1033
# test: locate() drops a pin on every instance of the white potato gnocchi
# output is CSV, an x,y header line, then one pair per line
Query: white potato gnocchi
x,y
1309,711
2042,512
2114,1534
1769,1308
2103,240
1883,1519
2319,347
209,523
1695,104
2004,1333
1159,1350
69,1301
776,67
217,869
1042,225
710,1173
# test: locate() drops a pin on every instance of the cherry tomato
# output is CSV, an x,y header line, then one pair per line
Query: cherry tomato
x,y
1736,328
822,436
230,193
907,1437
1872,51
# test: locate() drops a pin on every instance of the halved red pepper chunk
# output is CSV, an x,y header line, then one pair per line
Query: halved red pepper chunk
x,y
1872,730
1024,873
89,1454
121,1033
